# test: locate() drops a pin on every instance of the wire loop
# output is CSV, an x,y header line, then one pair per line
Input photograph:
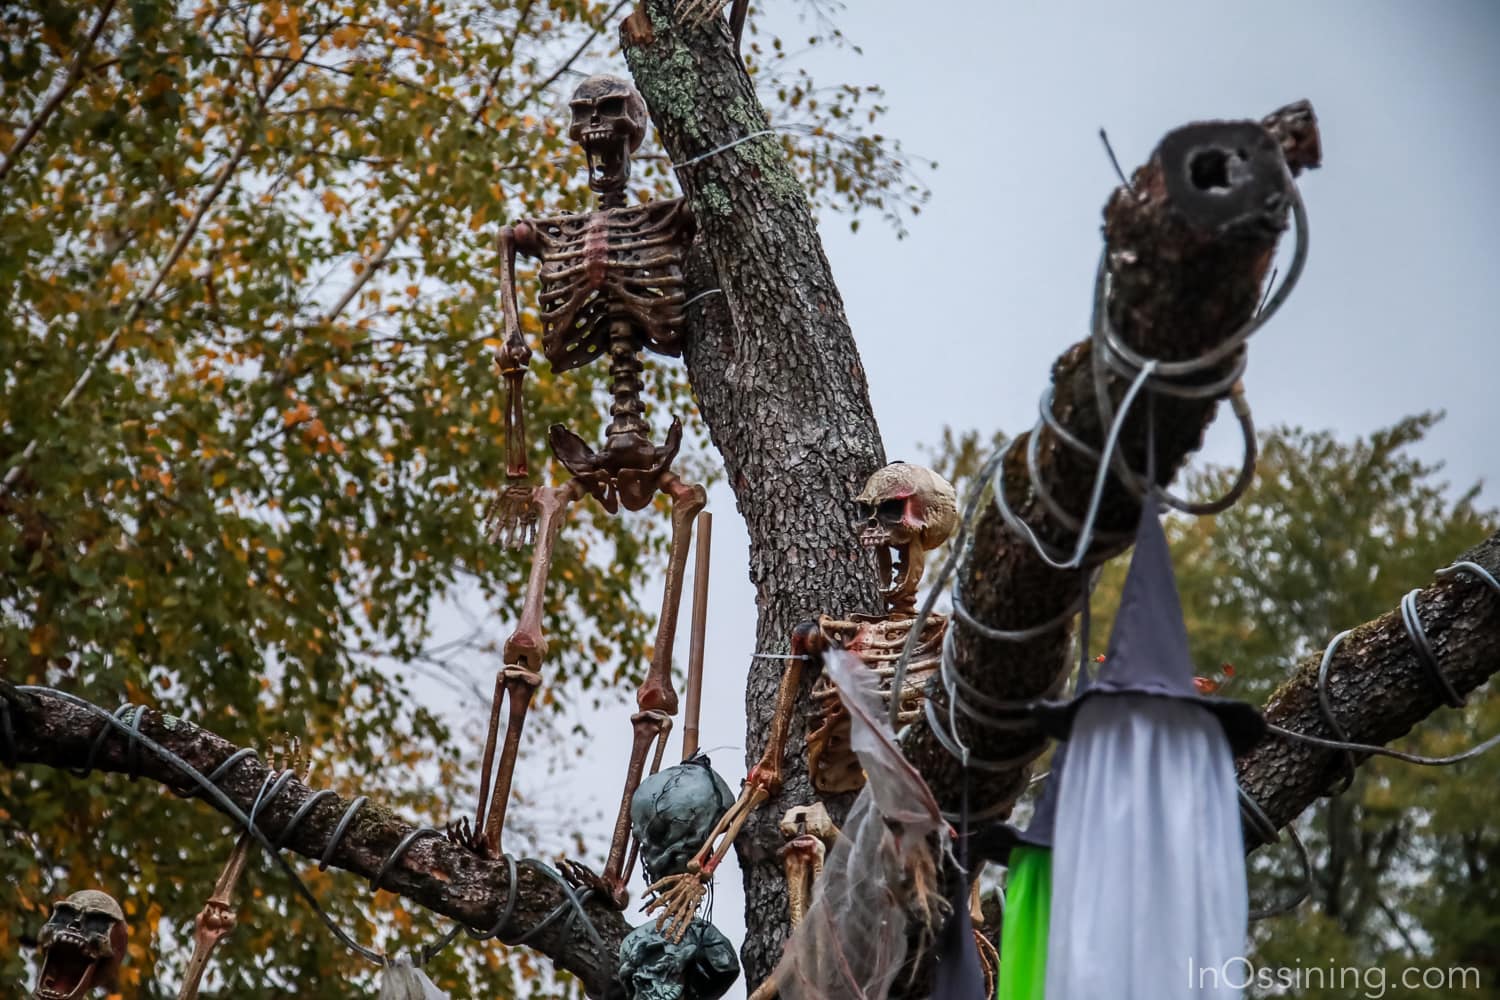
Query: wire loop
x,y
1269,834
126,722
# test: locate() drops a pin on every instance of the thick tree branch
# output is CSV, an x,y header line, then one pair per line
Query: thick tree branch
x,y
1189,247
1377,687
439,876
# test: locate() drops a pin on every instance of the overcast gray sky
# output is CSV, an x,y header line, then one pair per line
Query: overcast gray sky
x,y
1394,314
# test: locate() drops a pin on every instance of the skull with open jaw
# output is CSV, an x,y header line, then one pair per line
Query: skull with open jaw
x,y
907,511
609,122
82,945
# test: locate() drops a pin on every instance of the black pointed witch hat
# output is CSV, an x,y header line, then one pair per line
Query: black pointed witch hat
x,y
1148,649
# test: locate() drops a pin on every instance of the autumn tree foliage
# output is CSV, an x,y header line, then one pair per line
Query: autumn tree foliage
x,y
249,420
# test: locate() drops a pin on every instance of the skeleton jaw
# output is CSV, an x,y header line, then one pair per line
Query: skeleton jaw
x,y
900,563
68,972
609,163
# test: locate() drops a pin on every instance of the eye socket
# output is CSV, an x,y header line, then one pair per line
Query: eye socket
x,y
892,510
612,106
866,511
98,923
63,912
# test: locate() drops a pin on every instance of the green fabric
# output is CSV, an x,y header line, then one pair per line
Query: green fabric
x,y
1023,933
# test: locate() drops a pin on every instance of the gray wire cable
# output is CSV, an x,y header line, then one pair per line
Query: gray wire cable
x,y
1111,356
1416,632
126,722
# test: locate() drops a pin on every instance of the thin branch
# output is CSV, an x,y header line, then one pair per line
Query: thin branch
x,y
107,348
75,72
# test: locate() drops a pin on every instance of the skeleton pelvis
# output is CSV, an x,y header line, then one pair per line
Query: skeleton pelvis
x,y
626,472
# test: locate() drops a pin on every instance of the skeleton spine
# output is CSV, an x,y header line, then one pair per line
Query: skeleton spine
x,y
625,383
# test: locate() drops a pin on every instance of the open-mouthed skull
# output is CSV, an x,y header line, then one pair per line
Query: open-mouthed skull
x,y
700,966
906,511
82,944
609,122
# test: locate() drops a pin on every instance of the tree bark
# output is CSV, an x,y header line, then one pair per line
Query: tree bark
x,y
781,389
1378,689
783,393
445,879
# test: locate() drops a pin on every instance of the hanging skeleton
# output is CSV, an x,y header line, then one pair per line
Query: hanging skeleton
x,y
906,512
82,945
611,285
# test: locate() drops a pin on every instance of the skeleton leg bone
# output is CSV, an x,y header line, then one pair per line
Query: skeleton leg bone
x,y
521,675
989,955
810,832
656,699
216,920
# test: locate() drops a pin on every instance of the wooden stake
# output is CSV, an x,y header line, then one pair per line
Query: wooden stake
x,y
696,640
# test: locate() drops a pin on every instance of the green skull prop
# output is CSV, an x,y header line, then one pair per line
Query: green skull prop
x,y
674,811
702,966
82,945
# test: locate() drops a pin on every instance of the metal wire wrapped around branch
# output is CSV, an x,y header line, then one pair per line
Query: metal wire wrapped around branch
x,y
1111,357
126,721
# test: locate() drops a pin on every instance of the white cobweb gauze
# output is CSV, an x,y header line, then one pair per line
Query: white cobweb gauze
x,y
1149,900
403,981
881,875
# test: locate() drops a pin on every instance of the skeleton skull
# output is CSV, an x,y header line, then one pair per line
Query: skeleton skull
x,y
609,122
674,811
701,966
911,510
82,945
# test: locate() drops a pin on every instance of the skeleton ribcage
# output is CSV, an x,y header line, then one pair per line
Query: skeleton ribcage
x,y
879,643
623,263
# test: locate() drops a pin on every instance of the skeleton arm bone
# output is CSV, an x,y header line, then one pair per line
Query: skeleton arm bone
x,y
513,515
514,355
677,896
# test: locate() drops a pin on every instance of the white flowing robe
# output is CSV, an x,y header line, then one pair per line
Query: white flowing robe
x,y
1149,900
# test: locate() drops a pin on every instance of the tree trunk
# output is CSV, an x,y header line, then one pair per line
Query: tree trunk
x,y
781,388
783,393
